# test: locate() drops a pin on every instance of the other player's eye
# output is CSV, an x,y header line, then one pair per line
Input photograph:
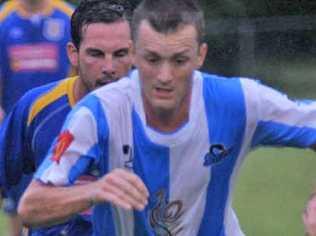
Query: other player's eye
x,y
121,53
95,53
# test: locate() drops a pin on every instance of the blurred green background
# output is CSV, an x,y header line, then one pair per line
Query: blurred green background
x,y
273,41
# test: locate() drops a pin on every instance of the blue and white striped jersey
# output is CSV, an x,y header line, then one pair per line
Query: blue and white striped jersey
x,y
190,173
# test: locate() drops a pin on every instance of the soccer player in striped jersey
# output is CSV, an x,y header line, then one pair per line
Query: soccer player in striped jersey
x,y
168,142
100,52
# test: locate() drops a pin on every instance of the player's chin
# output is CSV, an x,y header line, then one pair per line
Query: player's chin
x,y
163,105
103,83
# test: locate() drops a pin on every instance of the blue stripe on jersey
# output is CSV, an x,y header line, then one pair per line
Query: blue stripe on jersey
x,y
274,133
102,219
151,163
225,108
96,151
103,223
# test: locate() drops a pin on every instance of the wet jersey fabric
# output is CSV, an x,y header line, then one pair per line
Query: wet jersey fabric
x,y
191,172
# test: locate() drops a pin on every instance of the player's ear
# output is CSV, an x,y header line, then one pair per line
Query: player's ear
x,y
73,54
202,54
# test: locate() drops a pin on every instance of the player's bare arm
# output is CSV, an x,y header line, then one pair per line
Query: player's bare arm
x,y
120,187
309,216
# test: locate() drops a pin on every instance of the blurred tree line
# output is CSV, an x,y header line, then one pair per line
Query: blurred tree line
x,y
250,8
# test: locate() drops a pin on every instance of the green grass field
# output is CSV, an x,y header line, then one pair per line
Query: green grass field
x,y
3,225
271,192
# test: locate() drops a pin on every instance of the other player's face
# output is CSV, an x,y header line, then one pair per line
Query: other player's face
x,y
166,63
104,54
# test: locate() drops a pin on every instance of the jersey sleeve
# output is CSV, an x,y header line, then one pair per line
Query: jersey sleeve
x,y
1,62
279,121
15,150
79,146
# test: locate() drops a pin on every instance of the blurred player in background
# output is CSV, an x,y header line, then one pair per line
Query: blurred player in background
x,y
33,39
100,52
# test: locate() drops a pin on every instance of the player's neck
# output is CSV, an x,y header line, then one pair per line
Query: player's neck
x,y
79,90
34,6
168,121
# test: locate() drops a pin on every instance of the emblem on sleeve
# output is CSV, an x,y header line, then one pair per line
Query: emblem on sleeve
x,y
63,142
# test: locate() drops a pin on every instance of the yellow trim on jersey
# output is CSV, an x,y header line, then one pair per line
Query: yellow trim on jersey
x,y
71,90
25,14
14,5
65,87
7,8
63,6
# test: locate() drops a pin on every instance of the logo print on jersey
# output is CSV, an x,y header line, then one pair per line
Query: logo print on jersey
x,y
217,152
128,152
164,216
63,142
54,29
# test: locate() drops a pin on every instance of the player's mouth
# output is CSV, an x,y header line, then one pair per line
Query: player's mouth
x,y
163,93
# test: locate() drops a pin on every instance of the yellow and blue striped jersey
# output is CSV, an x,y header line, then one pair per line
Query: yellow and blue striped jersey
x,y
32,48
26,135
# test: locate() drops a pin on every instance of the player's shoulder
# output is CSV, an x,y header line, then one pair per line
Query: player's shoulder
x,y
228,83
7,9
227,91
119,91
63,7
22,107
45,96
115,97
33,94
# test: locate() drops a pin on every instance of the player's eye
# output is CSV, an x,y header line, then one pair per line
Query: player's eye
x,y
152,59
180,60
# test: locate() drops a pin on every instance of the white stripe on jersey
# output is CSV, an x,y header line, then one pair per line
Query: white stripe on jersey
x,y
58,173
274,106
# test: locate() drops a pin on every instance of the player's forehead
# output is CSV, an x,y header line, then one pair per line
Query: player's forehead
x,y
108,36
182,40
106,30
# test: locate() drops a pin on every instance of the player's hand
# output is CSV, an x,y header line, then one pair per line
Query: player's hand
x,y
122,188
309,216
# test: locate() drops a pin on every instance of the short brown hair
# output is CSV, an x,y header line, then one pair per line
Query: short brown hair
x,y
167,16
